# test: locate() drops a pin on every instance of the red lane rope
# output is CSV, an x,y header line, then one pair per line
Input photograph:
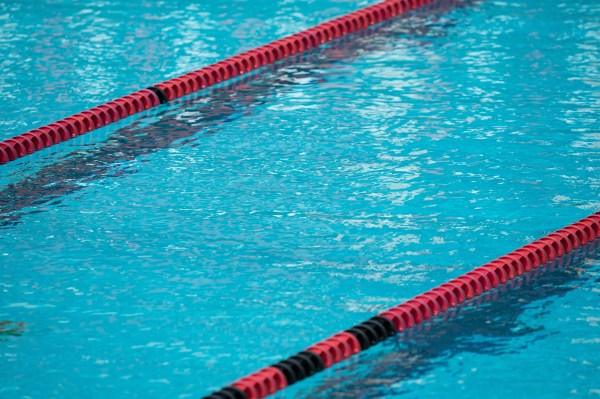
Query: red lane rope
x,y
396,319
415,311
120,108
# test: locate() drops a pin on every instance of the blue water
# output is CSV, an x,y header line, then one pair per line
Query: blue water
x,y
63,56
172,253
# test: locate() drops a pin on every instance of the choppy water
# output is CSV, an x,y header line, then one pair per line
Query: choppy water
x,y
179,250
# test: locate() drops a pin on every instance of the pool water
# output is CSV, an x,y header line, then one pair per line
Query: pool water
x,y
178,250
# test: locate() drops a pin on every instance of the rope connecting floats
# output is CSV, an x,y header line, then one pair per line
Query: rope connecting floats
x,y
120,108
415,311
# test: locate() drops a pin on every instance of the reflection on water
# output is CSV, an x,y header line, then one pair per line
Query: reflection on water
x,y
185,119
490,325
221,233
63,56
11,329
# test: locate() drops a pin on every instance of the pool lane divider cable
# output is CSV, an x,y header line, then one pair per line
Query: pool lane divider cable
x,y
413,312
230,68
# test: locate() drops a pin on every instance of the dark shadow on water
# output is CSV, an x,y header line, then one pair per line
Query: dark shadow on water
x,y
486,325
10,328
220,105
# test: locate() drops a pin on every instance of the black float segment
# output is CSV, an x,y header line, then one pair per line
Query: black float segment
x,y
387,324
300,366
373,331
363,339
314,359
162,96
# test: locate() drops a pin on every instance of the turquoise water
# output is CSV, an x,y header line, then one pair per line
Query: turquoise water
x,y
181,249
63,56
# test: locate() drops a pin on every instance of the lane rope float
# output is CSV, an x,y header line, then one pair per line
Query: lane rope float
x,y
413,312
230,68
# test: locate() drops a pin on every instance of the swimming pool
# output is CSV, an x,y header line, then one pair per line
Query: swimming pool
x,y
177,251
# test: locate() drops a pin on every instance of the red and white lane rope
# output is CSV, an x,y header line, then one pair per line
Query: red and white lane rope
x,y
415,311
112,111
